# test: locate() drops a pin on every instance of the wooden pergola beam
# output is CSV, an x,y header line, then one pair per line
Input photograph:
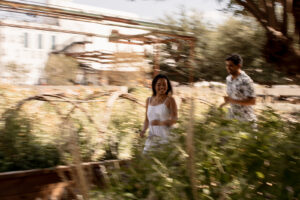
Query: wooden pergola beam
x,y
51,29
71,14
107,62
117,36
128,42
156,37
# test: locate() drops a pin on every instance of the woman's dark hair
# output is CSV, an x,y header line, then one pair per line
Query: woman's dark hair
x,y
161,76
235,59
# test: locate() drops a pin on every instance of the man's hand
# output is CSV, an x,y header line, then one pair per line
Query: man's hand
x,y
222,105
156,123
227,99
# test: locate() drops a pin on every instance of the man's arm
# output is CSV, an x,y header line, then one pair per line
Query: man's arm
x,y
246,102
247,89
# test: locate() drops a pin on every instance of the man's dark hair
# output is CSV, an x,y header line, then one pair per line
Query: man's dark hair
x,y
156,78
235,59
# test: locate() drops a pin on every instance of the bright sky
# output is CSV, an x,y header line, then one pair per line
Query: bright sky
x,y
154,9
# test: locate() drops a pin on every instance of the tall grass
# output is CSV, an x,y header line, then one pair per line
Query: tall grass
x,y
232,161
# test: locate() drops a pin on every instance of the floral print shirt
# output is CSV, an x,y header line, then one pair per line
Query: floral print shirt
x,y
240,88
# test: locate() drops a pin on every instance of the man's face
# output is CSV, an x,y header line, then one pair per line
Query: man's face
x,y
232,68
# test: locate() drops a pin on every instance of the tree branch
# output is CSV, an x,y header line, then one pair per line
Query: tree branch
x,y
271,14
252,8
262,6
265,5
284,17
296,13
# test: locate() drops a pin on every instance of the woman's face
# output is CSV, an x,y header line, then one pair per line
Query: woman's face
x,y
161,86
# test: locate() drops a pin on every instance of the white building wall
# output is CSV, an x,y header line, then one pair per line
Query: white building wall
x,y
34,57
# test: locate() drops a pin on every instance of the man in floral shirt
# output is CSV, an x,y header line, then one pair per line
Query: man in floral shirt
x,y
240,91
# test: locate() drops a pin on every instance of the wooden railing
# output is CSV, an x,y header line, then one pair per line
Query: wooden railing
x,y
53,183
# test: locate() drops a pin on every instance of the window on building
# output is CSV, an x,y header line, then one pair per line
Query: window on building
x,y
40,41
53,38
25,41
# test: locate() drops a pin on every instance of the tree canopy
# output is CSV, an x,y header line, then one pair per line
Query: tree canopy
x,y
236,35
281,20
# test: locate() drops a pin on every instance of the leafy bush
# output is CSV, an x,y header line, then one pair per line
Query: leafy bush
x,y
233,161
19,148
237,161
151,176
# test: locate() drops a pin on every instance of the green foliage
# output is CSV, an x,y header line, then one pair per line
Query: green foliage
x,y
19,148
236,35
44,125
238,161
61,70
282,28
16,72
175,57
124,128
153,176
234,160
86,142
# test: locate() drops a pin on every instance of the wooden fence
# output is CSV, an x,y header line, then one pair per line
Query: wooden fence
x,y
53,183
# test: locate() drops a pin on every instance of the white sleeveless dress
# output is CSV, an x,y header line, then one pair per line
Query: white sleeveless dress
x,y
157,134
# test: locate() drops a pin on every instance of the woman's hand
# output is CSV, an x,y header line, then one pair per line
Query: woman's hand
x,y
160,123
156,123
142,133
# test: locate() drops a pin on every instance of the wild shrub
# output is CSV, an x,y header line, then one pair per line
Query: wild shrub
x,y
20,149
233,160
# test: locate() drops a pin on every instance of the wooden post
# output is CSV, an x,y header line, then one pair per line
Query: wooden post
x,y
80,178
190,134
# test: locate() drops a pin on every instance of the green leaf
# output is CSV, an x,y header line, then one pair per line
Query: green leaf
x,y
260,175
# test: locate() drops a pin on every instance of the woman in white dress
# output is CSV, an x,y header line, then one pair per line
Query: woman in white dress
x,y
161,113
